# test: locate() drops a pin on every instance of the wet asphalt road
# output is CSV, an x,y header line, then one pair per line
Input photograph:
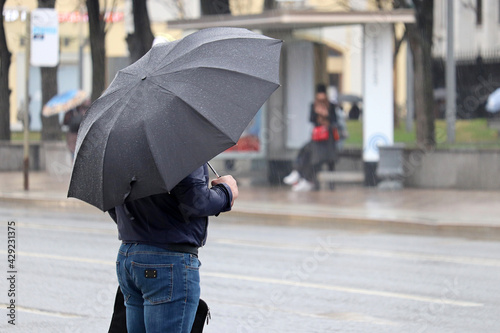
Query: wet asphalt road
x,y
259,277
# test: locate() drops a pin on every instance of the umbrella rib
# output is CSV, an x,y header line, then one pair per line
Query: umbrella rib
x,y
114,120
97,116
124,72
221,69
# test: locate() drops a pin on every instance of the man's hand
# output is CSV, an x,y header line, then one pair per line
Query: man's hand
x,y
229,181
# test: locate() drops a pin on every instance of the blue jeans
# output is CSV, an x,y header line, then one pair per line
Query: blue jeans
x,y
161,288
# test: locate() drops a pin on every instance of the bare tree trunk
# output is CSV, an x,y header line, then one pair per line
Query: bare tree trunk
x,y
97,36
142,39
397,47
51,129
423,90
420,38
5,59
215,7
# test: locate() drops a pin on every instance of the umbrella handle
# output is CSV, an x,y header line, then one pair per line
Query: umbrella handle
x,y
211,167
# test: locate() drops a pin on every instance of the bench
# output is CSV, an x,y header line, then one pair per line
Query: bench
x,y
340,178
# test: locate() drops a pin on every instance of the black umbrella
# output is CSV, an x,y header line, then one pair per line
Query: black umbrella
x,y
174,109
349,98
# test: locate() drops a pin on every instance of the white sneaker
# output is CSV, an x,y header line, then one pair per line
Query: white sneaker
x,y
303,186
292,178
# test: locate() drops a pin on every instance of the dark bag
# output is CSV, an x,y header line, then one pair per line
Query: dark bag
x,y
119,321
202,315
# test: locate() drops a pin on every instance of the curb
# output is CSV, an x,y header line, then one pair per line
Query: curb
x,y
362,224
302,219
56,203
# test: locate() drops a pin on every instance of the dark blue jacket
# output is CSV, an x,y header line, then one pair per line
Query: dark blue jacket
x,y
178,217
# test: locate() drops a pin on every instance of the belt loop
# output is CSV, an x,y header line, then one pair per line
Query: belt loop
x,y
128,249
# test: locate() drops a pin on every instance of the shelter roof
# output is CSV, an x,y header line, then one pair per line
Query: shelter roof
x,y
295,19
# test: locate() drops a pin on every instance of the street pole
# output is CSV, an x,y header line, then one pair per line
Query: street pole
x,y
410,93
450,77
26,160
80,49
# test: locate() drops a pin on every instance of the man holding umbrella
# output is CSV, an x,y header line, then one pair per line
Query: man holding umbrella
x,y
157,263
142,152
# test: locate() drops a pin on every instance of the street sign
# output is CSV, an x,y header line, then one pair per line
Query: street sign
x,y
44,37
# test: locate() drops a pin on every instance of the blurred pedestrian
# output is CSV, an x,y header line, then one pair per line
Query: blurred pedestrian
x,y
322,149
157,263
302,171
72,120
354,112
341,126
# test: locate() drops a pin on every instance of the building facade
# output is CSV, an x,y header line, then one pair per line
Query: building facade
x,y
75,66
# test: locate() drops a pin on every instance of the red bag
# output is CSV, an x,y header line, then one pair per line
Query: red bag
x,y
320,133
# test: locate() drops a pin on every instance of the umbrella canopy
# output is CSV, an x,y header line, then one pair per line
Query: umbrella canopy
x,y
64,102
493,103
167,114
342,98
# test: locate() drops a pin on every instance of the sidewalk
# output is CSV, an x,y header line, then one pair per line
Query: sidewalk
x,y
435,212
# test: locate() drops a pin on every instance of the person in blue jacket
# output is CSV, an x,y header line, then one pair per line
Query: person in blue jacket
x,y
157,264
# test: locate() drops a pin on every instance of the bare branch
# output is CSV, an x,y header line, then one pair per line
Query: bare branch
x,y
107,25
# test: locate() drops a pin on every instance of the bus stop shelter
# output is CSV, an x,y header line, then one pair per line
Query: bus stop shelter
x,y
285,116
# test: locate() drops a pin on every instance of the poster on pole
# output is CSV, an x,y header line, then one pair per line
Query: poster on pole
x,y
378,108
44,37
